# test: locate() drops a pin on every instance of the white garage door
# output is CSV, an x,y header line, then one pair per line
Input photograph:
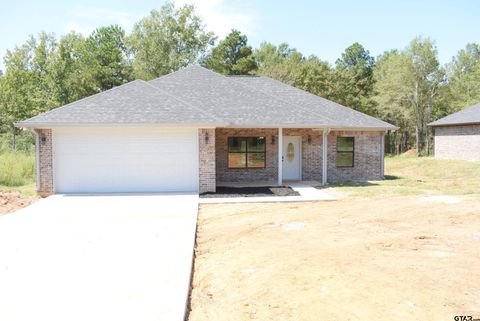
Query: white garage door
x,y
125,159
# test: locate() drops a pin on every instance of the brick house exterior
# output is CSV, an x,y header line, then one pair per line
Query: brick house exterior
x,y
458,142
368,157
171,134
213,157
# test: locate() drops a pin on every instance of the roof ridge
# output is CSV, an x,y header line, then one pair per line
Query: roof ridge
x,y
84,98
182,101
177,71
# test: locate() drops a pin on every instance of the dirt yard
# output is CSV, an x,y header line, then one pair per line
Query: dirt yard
x,y
397,258
12,201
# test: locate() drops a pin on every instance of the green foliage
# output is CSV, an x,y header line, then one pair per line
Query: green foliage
x,y
406,85
464,78
167,40
16,168
106,52
355,79
281,63
232,56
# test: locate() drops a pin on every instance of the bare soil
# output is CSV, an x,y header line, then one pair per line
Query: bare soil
x,y
398,258
12,201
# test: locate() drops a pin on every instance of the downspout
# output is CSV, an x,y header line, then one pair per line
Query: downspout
x,y
325,133
280,157
382,155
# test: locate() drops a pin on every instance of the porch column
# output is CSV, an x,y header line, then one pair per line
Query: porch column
x,y
280,147
382,156
325,133
206,158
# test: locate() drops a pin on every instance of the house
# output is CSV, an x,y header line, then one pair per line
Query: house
x,y
194,129
457,136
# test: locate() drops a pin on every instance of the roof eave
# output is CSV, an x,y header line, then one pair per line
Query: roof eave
x,y
453,124
58,124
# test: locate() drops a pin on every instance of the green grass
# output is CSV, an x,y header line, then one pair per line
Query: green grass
x,y
406,175
17,172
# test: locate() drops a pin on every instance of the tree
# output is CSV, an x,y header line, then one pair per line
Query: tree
x,y
232,56
167,40
354,77
410,80
106,52
463,74
278,62
72,71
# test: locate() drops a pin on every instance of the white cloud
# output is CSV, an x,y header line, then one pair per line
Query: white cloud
x,y
221,18
85,19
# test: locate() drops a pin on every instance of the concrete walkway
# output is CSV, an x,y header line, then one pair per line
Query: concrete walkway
x,y
110,257
308,193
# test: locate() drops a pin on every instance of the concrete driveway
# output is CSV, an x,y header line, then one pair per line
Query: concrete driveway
x,y
108,257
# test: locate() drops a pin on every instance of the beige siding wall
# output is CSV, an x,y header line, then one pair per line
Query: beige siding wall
x,y
207,170
367,159
45,162
458,142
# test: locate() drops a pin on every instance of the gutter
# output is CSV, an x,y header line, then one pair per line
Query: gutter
x,y
202,125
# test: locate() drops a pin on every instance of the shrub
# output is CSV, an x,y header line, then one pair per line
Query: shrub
x,y
17,168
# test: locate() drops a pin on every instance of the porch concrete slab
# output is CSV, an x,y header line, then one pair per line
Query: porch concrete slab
x,y
308,193
98,257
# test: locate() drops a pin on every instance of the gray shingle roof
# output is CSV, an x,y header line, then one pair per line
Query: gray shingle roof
x,y
470,115
136,102
198,96
338,115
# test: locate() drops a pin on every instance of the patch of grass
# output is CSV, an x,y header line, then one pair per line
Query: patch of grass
x,y
17,172
406,176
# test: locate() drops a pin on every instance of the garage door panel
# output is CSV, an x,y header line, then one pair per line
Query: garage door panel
x,y
125,160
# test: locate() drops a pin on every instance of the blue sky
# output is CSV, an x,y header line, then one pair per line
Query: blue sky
x,y
323,28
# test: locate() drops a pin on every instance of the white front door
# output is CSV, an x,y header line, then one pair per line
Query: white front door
x,y
291,157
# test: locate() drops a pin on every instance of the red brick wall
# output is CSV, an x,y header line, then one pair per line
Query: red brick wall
x,y
207,181
267,174
458,142
45,162
367,158
311,152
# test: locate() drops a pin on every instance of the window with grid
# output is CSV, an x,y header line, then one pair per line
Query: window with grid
x,y
246,152
345,151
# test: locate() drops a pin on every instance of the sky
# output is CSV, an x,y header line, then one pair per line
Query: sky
x,y
322,28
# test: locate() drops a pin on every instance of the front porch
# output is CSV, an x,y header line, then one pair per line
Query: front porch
x,y
273,156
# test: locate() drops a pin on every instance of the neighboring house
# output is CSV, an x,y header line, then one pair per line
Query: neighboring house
x,y
194,129
457,136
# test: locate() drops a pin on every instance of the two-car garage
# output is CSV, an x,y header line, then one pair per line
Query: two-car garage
x,y
92,159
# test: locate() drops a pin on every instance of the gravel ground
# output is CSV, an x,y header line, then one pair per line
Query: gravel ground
x,y
251,191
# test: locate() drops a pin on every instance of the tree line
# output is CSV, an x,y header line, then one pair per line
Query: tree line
x,y
408,87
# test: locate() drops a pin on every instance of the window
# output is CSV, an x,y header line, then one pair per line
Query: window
x,y
345,151
246,152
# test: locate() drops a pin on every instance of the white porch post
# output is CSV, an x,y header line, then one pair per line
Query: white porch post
x,y
382,155
280,148
324,155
